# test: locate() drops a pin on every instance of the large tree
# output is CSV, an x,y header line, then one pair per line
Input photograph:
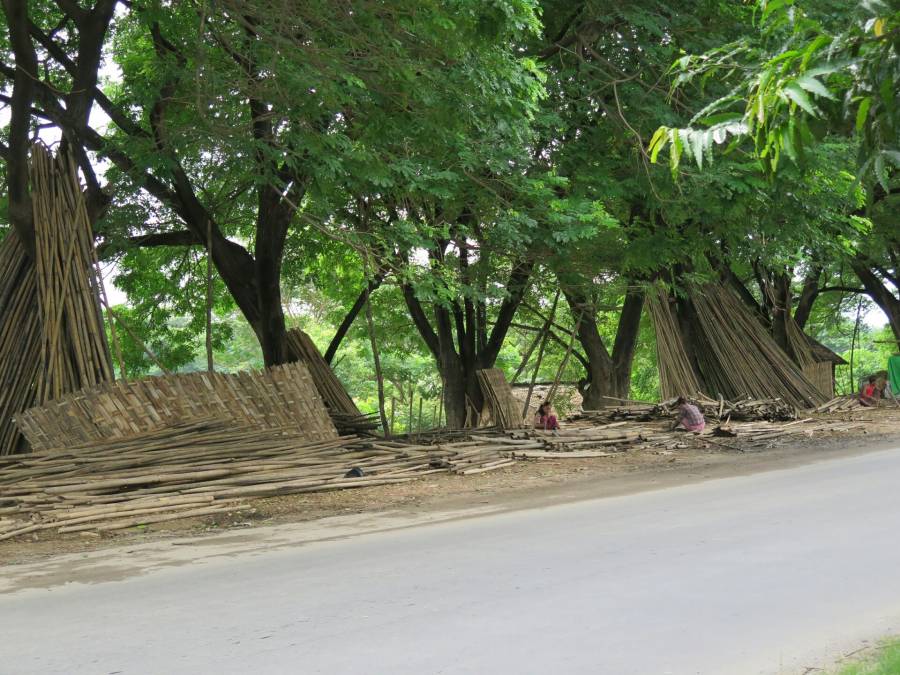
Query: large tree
x,y
226,119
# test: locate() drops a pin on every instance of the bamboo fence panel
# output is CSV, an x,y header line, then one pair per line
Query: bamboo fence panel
x,y
280,397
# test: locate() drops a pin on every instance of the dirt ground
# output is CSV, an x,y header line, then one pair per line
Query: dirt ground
x,y
526,484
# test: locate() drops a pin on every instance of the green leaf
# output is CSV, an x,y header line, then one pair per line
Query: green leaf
x,y
863,112
658,142
793,91
880,171
697,147
813,85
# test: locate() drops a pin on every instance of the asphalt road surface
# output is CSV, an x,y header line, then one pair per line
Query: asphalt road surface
x,y
768,573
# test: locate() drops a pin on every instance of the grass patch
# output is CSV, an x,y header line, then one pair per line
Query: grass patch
x,y
885,662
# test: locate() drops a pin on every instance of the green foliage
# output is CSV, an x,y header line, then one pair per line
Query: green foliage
x,y
885,662
808,69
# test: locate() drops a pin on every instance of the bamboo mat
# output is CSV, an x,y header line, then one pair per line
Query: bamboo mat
x,y
280,397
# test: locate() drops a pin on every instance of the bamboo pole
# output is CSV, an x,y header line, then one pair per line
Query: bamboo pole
x,y
540,356
210,366
379,376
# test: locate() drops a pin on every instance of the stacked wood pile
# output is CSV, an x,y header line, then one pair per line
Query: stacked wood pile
x,y
212,467
343,411
280,397
728,353
770,409
205,468
51,329
501,408
840,404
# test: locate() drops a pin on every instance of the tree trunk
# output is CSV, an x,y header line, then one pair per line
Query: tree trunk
x,y
881,295
607,376
808,296
351,315
626,341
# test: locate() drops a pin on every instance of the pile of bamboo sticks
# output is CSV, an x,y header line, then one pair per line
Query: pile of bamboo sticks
x,y
840,404
51,330
771,409
204,468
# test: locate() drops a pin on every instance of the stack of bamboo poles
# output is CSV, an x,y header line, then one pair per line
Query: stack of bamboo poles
x,y
51,331
500,406
202,468
20,339
744,355
731,355
74,352
343,411
676,374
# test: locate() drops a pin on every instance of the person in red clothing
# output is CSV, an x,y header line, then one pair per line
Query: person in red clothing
x,y
689,416
546,417
870,393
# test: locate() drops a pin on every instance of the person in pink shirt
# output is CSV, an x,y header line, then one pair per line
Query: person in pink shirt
x,y
689,416
545,418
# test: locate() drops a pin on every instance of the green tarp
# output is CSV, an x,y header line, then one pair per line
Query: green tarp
x,y
894,373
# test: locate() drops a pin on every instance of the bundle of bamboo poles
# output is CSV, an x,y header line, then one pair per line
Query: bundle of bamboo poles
x,y
676,374
51,330
20,339
744,355
729,354
343,411
74,351
500,404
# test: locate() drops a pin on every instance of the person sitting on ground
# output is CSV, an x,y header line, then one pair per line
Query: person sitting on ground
x,y
870,393
546,417
689,416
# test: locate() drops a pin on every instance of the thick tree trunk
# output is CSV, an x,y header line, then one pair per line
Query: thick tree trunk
x,y
808,296
607,376
780,289
19,198
881,295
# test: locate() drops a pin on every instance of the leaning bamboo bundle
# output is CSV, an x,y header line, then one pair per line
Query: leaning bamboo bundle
x,y
500,404
344,413
745,357
676,374
74,352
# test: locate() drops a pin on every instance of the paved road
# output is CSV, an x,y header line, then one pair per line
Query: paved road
x,y
766,573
